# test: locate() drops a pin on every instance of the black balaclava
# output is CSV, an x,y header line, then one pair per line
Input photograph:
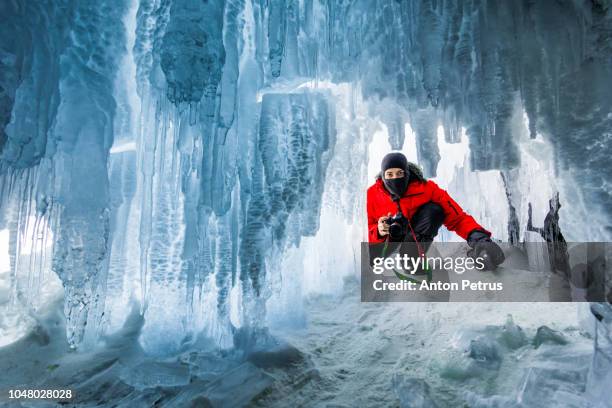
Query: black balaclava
x,y
396,186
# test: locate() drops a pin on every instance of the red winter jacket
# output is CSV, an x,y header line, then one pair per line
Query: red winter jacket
x,y
419,192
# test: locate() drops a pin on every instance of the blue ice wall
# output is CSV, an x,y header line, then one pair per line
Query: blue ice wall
x,y
182,180
63,108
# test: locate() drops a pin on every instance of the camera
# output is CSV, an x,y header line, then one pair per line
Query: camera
x,y
397,227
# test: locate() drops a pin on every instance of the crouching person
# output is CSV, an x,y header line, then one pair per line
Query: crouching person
x,y
403,206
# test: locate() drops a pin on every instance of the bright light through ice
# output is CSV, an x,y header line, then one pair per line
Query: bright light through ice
x,y
377,149
123,147
298,85
5,265
452,156
36,237
410,147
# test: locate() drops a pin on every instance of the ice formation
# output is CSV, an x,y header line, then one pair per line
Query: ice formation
x,y
206,159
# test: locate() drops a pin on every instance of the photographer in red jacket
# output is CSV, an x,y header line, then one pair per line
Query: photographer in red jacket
x,y
405,207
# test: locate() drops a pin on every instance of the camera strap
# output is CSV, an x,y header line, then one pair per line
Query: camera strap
x,y
416,241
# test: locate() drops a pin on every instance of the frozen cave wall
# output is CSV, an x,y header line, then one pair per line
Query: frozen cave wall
x,y
172,154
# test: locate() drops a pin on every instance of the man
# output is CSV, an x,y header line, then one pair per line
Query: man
x,y
403,206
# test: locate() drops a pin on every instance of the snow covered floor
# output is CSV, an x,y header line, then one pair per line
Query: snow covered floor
x,y
376,354
349,354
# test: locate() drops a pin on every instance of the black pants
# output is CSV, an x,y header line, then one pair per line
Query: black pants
x,y
425,223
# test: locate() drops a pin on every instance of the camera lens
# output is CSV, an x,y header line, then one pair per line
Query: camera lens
x,y
395,230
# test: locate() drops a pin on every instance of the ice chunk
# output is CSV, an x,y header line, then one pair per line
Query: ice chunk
x,y
235,388
478,401
600,375
284,355
562,386
484,350
151,374
209,367
547,335
238,386
512,335
412,392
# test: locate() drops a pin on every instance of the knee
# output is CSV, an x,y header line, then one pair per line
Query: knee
x,y
433,211
428,219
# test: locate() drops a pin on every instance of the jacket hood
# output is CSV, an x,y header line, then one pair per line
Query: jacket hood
x,y
415,173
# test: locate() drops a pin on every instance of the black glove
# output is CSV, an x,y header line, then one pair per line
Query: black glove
x,y
483,247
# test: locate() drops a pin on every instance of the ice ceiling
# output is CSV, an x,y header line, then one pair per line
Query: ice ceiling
x,y
180,152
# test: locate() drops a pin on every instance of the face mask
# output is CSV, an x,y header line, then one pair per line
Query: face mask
x,y
397,186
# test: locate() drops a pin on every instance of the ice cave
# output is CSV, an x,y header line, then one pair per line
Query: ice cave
x,y
183,198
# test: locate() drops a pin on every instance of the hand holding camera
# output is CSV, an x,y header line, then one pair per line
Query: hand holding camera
x,y
383,227
393,225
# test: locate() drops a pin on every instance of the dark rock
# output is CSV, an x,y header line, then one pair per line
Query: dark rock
x,y
547,335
